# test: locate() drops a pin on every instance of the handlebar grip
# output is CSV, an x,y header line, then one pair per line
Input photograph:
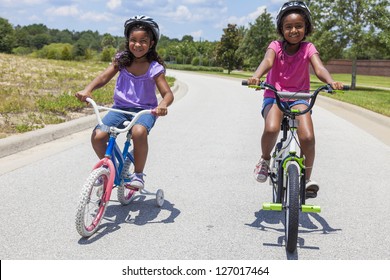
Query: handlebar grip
x,y
346,87
244,82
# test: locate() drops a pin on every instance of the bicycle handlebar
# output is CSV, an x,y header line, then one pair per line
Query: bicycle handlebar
x,y
128,125
294,96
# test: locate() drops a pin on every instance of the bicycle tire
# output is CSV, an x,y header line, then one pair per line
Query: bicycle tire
x,y
93,202
292,208
279,192
125,195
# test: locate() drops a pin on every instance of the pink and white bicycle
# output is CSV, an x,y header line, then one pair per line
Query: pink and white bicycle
x,y
113,171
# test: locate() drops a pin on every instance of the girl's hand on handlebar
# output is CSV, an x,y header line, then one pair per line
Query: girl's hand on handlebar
x,y
337,85
83,95
254,81
161,111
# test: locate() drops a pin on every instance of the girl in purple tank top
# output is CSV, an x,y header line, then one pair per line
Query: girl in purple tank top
x,y
141,70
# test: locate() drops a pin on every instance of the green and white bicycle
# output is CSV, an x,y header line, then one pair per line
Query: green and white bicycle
x,y
287,173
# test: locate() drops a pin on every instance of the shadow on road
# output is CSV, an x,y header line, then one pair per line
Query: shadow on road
x,y
140,211
308,223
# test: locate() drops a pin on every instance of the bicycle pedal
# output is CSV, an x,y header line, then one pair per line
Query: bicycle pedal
x,y
272,206
129,187
307,208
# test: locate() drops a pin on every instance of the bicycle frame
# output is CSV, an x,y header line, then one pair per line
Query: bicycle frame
x,y
286,153
112,171
115,157
113,152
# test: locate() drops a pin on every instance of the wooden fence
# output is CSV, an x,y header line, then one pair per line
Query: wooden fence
x,y
364,67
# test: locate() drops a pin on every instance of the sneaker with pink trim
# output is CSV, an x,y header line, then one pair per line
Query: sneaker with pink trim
x,y
137,181
261,170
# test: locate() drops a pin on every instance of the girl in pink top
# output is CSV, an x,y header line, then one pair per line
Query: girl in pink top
x,y
140,71
286,64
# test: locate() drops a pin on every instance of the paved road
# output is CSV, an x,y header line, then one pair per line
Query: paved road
x,y
202,154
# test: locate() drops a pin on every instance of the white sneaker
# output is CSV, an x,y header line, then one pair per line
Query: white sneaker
x,y
311,189
137,181
261,170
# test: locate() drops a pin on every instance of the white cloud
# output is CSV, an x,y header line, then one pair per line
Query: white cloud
x,y
34,2
21,3
34,18
197,34
182,13
96,17
143,3
113,4
195,1
244,20
253,16
63,11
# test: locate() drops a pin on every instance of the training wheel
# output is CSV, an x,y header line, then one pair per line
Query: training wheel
x,y
160,197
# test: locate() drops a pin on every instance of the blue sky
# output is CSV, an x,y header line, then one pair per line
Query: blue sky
x,y
203,19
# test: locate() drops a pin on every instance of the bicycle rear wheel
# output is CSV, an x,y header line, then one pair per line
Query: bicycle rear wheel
x,y
93,202
292,208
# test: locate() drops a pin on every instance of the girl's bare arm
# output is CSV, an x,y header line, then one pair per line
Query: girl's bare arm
x,y
265,65
322,73
98,82
166,93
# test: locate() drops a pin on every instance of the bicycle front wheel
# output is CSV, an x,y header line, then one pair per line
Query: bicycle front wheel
x,y
292,208
93,202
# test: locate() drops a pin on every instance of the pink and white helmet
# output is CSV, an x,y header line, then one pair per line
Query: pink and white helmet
x,y
145,21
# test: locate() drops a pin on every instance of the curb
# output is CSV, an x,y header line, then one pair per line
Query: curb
x,y
20,142
375,117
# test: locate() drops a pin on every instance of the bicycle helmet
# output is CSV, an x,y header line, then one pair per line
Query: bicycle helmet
x,y
294,6
145,21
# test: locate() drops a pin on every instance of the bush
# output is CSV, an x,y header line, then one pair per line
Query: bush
x,y
58,51
21,51
107,54
189,67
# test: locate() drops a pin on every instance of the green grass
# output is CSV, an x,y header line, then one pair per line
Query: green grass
x,y
46,88
372,92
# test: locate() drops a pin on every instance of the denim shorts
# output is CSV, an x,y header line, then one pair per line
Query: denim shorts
x,y
117,119
269,100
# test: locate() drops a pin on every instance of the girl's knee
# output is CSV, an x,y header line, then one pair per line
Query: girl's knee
x,y
99,136
307,139
139,131
272,128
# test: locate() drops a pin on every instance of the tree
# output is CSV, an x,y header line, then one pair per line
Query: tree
x,y
256,40
227,48
7,36
187,38
108,41
40,40
108,54
186,51
61,36
344,24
